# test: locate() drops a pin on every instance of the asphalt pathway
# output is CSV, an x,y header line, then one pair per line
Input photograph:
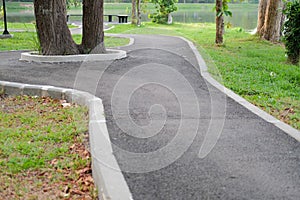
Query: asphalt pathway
x,y
162,115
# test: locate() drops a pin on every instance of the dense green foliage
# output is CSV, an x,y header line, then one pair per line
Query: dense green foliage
x,y
74,3
225,9
163,9
292,31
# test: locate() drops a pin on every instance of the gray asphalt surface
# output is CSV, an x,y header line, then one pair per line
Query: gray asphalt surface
x,y
159,108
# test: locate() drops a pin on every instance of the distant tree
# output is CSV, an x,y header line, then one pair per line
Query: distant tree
x,y
75,3
136,12
164,8
219,22
133,12
139,14
53,32
222,9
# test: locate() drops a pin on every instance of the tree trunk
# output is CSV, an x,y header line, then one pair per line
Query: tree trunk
x,y
139,17
281,19
133,12
170,18
272,21
262,8
52,29
219,22
92,24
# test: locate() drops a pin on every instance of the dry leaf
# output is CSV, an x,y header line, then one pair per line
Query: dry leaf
x,y
66,190
84,170
77,192
65,105
54,162
72,147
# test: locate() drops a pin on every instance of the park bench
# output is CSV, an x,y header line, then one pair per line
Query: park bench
x,y
121,18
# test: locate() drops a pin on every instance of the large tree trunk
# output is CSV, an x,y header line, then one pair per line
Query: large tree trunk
x,y
133,12
262,8
52,30
273,21
92,23
219,22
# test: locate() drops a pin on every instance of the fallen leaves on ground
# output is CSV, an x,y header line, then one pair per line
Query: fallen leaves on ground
x,y
67,176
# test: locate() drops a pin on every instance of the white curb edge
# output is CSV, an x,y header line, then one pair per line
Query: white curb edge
x,y
107,174
264,115
112,54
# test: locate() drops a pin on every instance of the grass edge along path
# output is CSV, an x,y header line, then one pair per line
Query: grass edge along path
x,y
26,38
253,68
28,41
43,150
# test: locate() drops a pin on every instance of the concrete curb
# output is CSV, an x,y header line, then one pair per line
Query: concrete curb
x,y
266,116
106,171
112,54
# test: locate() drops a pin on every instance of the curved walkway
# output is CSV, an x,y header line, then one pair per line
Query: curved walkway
x,y
164,118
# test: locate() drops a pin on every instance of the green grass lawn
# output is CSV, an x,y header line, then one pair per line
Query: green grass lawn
x,y
42,148
18,26
27,40
253,68
24,26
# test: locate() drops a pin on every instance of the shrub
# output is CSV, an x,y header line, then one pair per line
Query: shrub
x,y
291,31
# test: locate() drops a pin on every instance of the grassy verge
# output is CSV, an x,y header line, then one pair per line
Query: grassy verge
x,y
110,42
127,6
254,69
42,151
25,26
19,26
28,40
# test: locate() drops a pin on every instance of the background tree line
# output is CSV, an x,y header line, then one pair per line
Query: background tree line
x,y
179,1
55,37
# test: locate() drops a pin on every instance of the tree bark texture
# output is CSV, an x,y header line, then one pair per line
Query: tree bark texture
x,y
92,24
139,14
219,22
282,18
52,29
272,24
270,19
262,8
133,12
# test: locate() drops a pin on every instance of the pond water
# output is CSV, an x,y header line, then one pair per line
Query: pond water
x,y
243,16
